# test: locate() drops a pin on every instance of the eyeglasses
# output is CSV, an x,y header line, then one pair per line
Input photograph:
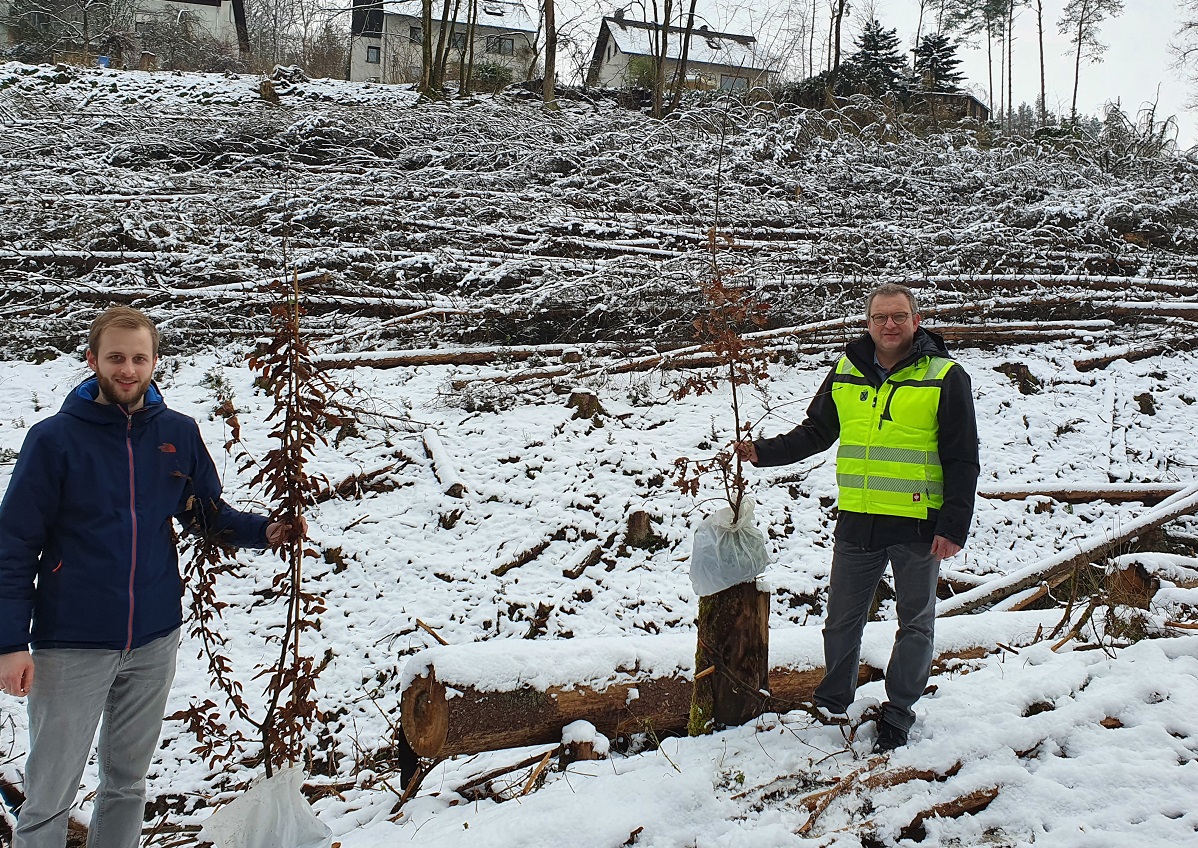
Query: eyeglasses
x,y
899,318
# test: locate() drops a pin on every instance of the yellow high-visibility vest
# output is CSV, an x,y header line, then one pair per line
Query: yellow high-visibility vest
x,y
888,462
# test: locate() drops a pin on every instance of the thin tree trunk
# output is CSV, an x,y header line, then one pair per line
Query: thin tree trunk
x,y
467,85
990,64
1043,87
1010,65
445,38
426,48
811,39
680,71
659,68
918,30
548,94
1077,62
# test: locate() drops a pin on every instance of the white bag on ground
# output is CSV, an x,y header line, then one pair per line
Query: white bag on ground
x,y
725,554
271,814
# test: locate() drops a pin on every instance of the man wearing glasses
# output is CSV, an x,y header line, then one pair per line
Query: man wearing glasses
x,y
907,470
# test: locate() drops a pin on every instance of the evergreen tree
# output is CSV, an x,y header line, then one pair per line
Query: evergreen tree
x,y
936,64
881,67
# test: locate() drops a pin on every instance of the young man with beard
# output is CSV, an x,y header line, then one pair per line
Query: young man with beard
x,y
90,592
907,470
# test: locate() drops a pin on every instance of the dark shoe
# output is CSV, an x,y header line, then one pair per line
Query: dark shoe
x,y
889,737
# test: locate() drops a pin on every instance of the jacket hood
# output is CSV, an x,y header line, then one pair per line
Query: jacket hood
x,y
81,403
925,343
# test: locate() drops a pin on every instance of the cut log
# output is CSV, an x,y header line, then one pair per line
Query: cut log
x,y
1077,493
485,696
1101,544
443,466
734,639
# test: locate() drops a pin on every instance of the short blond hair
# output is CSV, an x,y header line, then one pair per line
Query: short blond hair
x,y
124,318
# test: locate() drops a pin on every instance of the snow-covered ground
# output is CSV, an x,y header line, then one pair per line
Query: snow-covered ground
x,y
1090,744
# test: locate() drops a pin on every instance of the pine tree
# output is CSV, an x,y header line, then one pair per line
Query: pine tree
x,y
882,68
935,64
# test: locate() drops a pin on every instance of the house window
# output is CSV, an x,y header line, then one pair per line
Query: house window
x,y
373,55
416,34
730,83
500,45
458,41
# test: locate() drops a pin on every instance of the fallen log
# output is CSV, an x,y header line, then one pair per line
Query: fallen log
x,y
1109,539
443,466
1131,353
1076,493
486,696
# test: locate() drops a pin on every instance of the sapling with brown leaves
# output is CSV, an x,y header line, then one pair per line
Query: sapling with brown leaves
x,y
731,309
303,411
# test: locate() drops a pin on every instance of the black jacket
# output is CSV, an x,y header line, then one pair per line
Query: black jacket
x,y
958,446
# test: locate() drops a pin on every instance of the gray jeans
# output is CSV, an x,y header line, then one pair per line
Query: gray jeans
x,y
855,576
72,689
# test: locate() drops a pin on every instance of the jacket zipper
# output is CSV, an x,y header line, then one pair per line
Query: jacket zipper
x,y
133,515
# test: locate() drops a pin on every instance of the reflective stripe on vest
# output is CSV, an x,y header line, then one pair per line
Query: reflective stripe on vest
x,y
888,462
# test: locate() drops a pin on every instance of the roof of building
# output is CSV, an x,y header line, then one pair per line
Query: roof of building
x,y
499,14
636,38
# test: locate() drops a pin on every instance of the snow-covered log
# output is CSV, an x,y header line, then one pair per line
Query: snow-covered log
x,y
1148,493
1103,542
443,466
486,696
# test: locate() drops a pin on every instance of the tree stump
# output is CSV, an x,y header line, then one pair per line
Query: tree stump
x,y
585,404
732,659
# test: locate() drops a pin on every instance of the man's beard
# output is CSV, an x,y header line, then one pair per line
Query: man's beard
x,y
115,393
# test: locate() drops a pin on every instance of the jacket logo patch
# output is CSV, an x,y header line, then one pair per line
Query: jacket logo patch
x,y
166,447
865,396
915,497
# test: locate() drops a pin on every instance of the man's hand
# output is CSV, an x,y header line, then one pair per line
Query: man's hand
x,y
280,531
16,673
942,548
747,451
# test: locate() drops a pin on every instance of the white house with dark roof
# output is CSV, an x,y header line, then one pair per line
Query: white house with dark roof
x,y
385,42
222,20
714,59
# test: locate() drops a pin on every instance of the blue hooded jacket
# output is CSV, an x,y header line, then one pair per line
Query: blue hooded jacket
x,y
88,514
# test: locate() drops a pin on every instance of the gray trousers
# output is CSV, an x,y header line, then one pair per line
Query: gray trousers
x,y
856,573
72,689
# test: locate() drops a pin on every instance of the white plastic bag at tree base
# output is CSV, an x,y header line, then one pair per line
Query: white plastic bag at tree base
x,y
271,814
724,554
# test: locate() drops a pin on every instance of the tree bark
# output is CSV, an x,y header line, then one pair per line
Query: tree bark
x,y
734,641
